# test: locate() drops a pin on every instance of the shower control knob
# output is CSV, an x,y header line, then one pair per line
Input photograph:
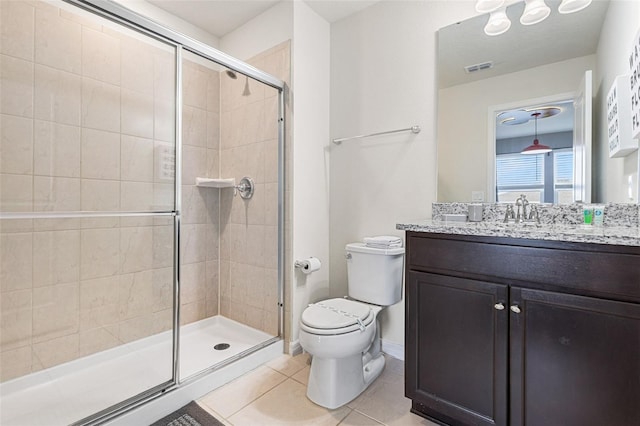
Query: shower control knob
x,y
515,308
499,306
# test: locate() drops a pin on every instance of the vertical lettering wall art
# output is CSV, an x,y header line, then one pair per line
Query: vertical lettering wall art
x,y
619,118
634,74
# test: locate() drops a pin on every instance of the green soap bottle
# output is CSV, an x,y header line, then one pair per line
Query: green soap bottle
x,y
588,215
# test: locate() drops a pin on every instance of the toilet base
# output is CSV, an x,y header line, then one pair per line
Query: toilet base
x,y
335,382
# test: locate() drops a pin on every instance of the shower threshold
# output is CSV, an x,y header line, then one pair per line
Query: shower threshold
x,y
69,392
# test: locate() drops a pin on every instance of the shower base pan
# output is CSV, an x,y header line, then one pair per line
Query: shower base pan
x,y
67,393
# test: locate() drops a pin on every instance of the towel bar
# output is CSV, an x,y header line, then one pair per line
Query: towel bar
x,y
413,129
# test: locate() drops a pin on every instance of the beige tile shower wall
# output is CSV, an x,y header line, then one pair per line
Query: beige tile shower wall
x,y
87,114
200,234
249,231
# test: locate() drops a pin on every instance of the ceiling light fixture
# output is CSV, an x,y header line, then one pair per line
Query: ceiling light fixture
x,y
518,116
570,6
499,23
486,6
535,11
536,147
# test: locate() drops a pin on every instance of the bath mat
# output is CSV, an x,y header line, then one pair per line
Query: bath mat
x,y
189,415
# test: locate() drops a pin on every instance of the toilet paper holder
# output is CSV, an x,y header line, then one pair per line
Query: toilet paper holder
x,y
308,265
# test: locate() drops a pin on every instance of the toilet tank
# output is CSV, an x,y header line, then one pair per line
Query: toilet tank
x,y
374,275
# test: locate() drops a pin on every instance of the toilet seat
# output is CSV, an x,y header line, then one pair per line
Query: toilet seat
x,y
336,316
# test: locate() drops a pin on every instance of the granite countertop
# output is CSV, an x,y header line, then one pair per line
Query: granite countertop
x,y
603,234
561,222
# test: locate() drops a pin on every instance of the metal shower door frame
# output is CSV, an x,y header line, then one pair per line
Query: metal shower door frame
x,y
117,13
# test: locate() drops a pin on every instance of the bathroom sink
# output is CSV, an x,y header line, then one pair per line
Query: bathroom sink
x,y
522,224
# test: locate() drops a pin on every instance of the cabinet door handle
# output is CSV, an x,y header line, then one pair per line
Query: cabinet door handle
x,y
499,306
515,308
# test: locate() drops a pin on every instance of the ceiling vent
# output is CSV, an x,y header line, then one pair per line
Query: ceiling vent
x,y
478,67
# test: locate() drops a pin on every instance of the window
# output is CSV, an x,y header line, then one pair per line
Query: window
x,y
563,176
542,178
520,174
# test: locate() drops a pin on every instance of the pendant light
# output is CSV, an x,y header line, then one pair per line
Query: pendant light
x,y
536,147
498,23
535,11
570,6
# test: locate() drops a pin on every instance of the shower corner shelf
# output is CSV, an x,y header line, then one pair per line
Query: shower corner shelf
x,y
215,183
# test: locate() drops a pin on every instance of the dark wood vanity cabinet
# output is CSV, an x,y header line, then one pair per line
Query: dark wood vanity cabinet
x,y
522,332
574,360
456,348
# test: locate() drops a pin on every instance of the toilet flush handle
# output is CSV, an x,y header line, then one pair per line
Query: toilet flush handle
x,y
348,256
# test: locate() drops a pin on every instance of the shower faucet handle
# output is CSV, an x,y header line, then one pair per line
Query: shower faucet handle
x,y
246,187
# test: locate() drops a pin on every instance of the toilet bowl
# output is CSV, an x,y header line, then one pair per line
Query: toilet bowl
x,y
340,336
343,335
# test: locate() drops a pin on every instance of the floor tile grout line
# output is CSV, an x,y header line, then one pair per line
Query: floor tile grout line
x,y
250,402
368,416
261,396
211,411
341,421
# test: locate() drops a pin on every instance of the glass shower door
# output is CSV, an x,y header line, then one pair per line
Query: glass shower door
x,y
87,213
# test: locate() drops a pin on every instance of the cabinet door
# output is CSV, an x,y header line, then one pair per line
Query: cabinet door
x,y
575,361
456,349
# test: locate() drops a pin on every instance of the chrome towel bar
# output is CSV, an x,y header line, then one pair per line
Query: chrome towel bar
x,y
412,129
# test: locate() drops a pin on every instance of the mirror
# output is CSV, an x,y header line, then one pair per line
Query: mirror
x,y
545,131
542,61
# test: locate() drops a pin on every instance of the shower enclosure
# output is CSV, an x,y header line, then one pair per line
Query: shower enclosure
x,y
131,260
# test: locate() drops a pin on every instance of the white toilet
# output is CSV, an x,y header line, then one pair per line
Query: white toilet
x,y
342,335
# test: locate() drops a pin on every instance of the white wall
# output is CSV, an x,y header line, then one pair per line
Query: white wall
x,y
311,46
383,77
621,25
463,120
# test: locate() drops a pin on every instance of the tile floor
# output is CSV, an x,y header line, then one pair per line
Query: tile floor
x,y
275,394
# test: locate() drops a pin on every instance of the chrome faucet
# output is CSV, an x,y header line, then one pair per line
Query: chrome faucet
x,y
521,208
521,212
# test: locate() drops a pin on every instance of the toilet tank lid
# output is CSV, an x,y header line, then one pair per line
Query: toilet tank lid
x,y
363,248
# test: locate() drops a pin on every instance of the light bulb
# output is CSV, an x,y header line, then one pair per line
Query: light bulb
x,y
535,11
498,23
570,6
486,6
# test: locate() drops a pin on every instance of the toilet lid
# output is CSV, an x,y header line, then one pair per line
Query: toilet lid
x,y
336,313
